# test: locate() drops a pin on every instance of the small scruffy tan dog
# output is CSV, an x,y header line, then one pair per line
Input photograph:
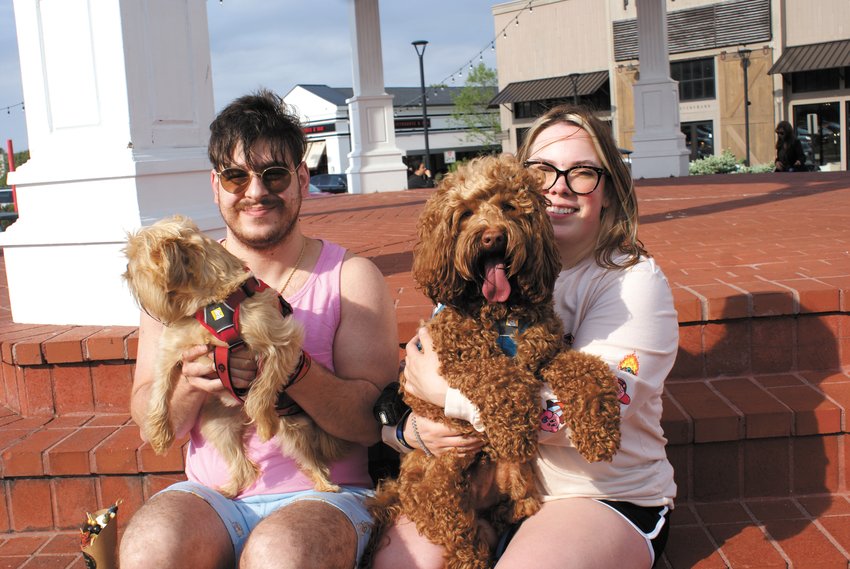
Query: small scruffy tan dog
x,y
487,253
174,270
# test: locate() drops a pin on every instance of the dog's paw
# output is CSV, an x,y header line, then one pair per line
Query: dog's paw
x,y
229,490
325,486
160,442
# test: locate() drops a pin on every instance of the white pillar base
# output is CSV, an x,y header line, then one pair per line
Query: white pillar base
x,y
375,164
64,260
658,143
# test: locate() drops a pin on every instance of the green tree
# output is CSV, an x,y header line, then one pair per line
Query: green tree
x,y
20,158
482,125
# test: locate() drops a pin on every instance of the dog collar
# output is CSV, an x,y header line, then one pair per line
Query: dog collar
x,y
222,321
508,330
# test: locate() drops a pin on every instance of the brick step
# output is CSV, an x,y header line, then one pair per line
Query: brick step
x,y
745,445
758,436
54,469
796,531
762,345
729,438
53,549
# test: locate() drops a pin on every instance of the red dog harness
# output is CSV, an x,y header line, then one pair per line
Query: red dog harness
x,y
222,320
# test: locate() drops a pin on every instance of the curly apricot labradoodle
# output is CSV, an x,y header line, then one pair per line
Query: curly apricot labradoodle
x,y
487,256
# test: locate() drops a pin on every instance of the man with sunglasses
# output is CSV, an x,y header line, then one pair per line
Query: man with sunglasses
x,y
259,180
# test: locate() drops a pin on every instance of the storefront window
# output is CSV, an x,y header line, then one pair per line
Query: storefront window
x,y
520,136
598,101
699,138
819,131
819,80
533,109
695,77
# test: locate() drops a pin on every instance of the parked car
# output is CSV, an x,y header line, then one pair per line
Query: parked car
x,y
317,193
333,183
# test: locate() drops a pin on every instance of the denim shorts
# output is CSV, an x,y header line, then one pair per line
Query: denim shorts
x,y
241,516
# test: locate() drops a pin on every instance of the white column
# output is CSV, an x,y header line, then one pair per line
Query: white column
x,y
659,145
375,163
118,103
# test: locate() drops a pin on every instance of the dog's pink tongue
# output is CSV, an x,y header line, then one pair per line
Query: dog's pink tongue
x,y
496,287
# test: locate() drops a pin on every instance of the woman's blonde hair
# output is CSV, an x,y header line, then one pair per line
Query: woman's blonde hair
x,y
619,223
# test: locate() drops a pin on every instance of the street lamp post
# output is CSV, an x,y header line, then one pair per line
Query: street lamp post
x,y
419,46
744,54
574,77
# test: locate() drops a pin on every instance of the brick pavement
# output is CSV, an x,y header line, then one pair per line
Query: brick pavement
x,y
781,241
731,246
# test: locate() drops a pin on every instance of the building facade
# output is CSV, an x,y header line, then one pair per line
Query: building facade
x,y
789,59
324,113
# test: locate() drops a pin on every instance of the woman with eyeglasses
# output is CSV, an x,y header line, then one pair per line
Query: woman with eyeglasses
x,y
615,303
789,150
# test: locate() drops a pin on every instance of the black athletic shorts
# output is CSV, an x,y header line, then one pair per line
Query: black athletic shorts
x,y
653,522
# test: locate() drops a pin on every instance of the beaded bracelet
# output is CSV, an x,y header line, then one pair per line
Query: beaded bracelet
x,y
419,438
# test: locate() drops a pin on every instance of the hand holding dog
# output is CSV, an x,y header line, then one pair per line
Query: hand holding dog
x,y
199,369
423,380
422,370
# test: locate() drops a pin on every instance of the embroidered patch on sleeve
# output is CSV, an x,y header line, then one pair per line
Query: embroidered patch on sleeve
x,y
551,419
624,397
631,365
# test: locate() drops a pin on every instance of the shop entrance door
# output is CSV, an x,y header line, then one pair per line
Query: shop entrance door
x,y
819,130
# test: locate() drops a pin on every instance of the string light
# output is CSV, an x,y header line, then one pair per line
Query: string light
x,y
491,43
452,76
8,108
469,63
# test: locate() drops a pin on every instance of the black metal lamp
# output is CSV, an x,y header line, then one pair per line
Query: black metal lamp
x,y
744,54
419,46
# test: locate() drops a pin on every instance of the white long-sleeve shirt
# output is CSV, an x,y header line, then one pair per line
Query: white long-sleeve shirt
x,y
627,318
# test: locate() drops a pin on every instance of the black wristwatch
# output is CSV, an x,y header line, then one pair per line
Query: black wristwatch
x,y
390,406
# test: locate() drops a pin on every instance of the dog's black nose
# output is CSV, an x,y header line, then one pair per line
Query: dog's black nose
x,y
493,240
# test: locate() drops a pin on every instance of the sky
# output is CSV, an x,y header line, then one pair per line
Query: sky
x,y
281,43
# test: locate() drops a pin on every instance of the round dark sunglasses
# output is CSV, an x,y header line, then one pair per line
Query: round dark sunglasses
x,y
275,178
581,180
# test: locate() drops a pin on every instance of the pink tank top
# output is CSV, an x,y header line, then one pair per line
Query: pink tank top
x,y
316,307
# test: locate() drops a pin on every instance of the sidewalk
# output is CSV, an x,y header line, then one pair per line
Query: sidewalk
x,y
782,239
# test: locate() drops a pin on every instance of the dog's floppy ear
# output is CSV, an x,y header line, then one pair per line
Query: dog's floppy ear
x,y
433,254
176,258
543,263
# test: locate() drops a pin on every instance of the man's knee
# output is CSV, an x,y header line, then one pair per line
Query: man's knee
x,y
171,529
311,533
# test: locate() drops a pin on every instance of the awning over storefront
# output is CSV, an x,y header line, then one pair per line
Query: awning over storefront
x,y
314,152
815,56
551,88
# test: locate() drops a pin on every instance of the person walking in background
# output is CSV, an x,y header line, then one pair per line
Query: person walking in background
x,y
421,178
789,151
